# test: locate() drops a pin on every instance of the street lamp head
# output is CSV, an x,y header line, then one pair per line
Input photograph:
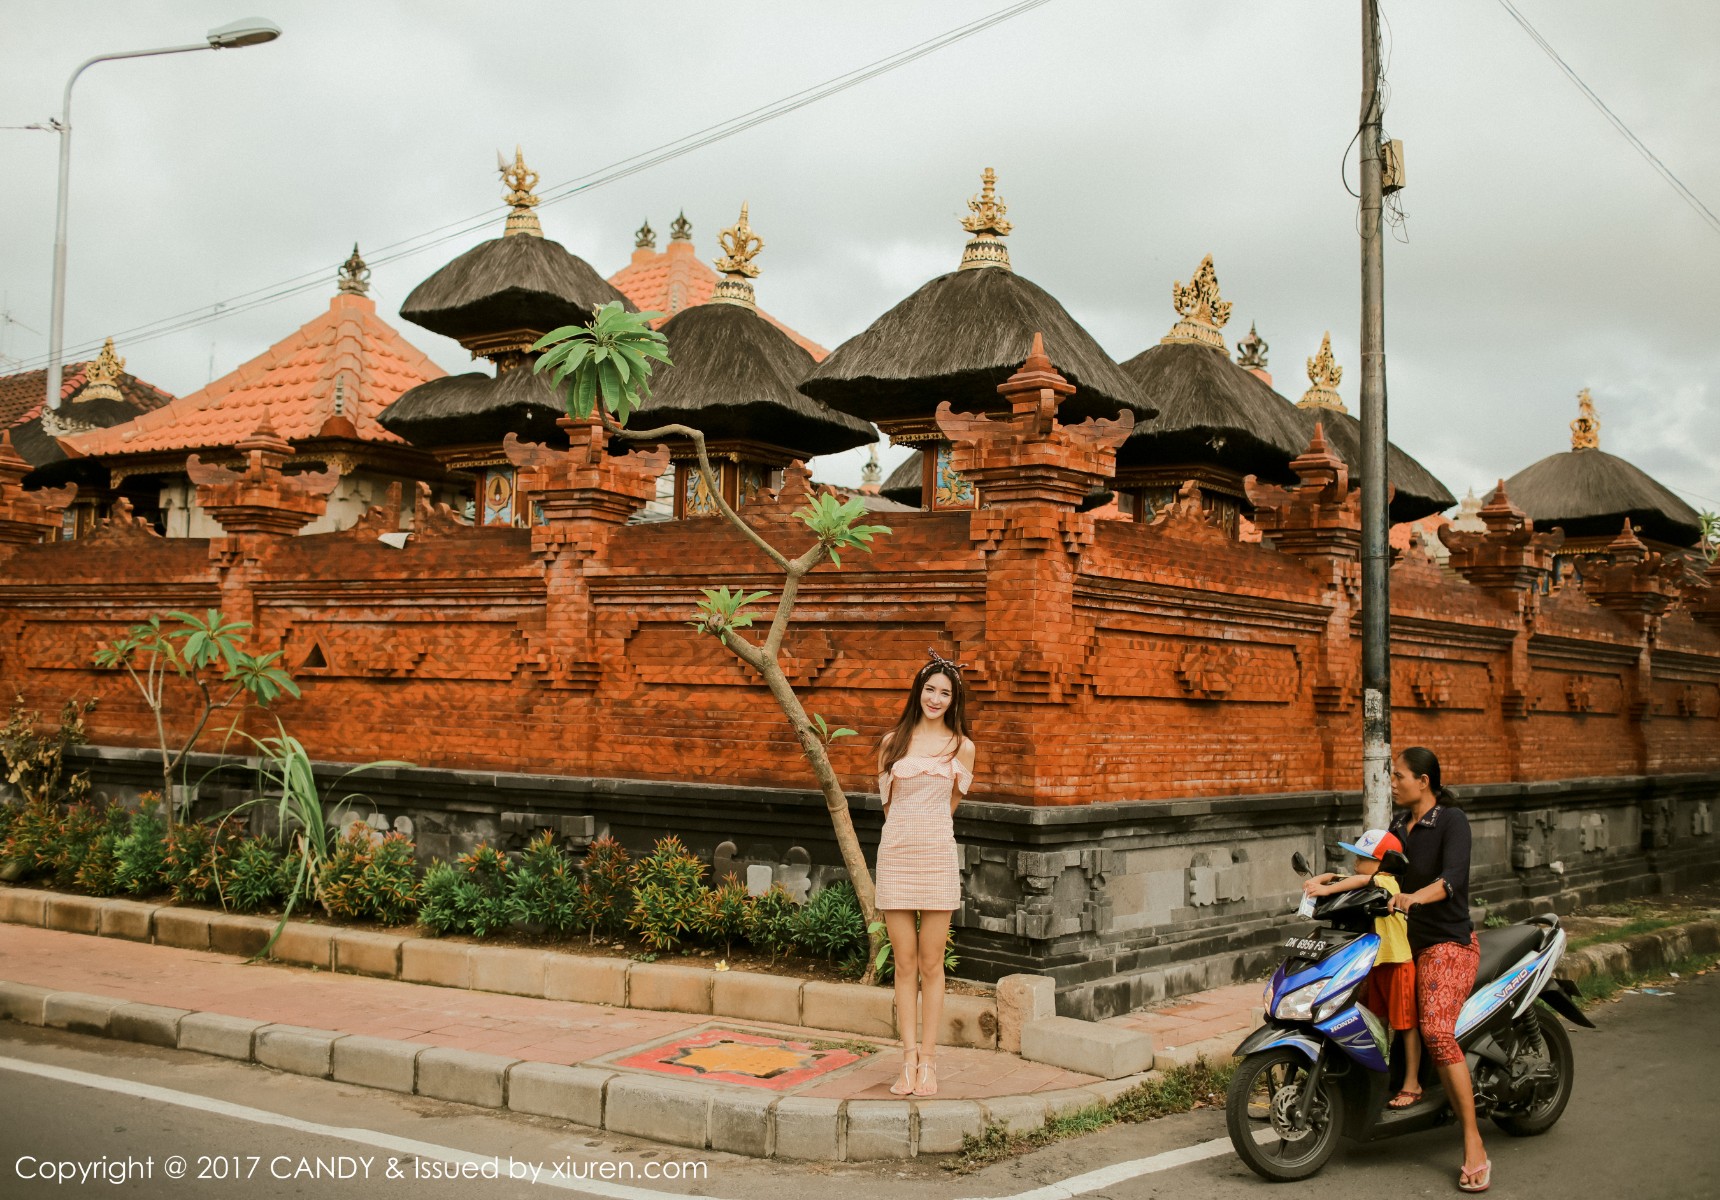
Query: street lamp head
x,y
251,31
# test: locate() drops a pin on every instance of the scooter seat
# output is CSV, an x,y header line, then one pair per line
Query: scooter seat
x,y
1502,949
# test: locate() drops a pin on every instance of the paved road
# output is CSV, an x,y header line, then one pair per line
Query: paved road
x,y
1641,1126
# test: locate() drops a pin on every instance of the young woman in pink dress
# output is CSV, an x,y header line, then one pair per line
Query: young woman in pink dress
x,y
925,767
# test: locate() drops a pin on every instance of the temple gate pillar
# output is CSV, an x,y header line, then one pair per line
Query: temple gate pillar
x,y
1032,472
27,517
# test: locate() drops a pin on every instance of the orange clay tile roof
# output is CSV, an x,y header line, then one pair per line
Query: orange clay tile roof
x,y
21,394
292,383
678,278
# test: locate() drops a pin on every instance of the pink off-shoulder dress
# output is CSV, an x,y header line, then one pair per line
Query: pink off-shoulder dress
x,y
917,866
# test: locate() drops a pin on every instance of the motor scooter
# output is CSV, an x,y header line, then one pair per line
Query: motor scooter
x,y
1320,1067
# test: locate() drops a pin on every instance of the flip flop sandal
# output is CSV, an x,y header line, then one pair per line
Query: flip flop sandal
x,y
1478,1180
1409,1100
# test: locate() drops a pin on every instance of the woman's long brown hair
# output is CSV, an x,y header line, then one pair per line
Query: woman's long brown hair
x,y
895,744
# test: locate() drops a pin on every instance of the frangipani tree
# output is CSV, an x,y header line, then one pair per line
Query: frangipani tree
x,y
606,370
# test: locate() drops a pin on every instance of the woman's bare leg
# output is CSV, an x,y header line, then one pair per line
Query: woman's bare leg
x,y
905,953
934,932
1460,1094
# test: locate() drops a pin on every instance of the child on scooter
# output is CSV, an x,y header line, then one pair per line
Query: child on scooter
x,y
1391,984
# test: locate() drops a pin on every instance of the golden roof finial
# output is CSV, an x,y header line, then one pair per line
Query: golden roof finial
x,y
1325,374
1203,313
519,180
1586,429
645,237
681,229
101,377
740,244
1251,350
985,221
354,275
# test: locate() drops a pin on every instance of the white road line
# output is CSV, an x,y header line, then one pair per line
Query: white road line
x,y
1104,1177
363,1137
1064,1189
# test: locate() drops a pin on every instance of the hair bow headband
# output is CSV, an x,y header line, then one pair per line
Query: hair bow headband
x,y
939,660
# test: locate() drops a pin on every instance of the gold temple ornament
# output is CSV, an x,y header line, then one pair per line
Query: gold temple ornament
x,y
740,246
520,181
354,278
1202,311
1325,375
986,222
102,375
1586,429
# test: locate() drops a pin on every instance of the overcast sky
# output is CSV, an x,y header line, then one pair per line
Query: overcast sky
x,y
1130,138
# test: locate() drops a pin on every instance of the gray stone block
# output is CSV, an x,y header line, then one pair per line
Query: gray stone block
x,y
508,969
186,928
74,914
23,906
969,1022
128,919
306,945
23,1002
755,997
376,1062
1107,1051
808,1129
1022,999
849,1008
1068,1100
662,1110
586,980
214,1033
667,988
79,1013
464,1076
150,1024
296,1049
445,964
550,1090
1017,1114
879,1129
231,933
944,1123
362,953
740,1122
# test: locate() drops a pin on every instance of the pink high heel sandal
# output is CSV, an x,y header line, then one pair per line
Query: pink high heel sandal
x,y
905,1085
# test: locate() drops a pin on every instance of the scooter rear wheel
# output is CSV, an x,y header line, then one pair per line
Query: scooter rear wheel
x,y
1265,1095
1545,1113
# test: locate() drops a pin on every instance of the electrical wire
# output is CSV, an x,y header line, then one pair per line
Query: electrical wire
x,y
1653,160
621,169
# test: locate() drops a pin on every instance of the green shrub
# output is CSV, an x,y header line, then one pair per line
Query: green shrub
x,y
831,923
727,911
771,921
887,957
79,827
195,856
470,896
340,881
391,880
669,894
141,852
8,817
605,896
35,834
545,886
98,873
252,879
35,763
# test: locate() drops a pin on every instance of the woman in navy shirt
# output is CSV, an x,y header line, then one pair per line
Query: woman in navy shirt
x,y
1435,895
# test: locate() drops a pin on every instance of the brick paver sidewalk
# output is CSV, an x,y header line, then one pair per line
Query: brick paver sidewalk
x,y
550,1031
1209,1023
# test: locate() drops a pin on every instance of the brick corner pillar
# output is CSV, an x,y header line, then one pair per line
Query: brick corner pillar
x,y
1031,472
1319,521
1705,606
258,503
585,494
27,516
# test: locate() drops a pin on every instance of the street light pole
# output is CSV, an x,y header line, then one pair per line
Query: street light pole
x,y
252,32
1376,549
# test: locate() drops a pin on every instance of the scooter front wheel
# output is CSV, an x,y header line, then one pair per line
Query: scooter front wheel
x,y
1281,1133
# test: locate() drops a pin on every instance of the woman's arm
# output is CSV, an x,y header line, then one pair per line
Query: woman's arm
x,y
884,780
965,756
1453,878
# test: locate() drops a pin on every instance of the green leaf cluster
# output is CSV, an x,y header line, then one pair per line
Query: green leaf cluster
x,y
832,523
727,910
471,896
725,610
611,359
606,892
255,877
35,762
669,894
140,854
546,886
771,922
831,924
827,734
209,644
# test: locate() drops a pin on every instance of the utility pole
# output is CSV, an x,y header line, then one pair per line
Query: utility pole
x,y
1376,550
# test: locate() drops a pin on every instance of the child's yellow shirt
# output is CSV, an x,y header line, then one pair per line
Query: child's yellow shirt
x,y
1393,930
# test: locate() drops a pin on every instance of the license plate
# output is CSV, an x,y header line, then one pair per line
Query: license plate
x,y
1306,947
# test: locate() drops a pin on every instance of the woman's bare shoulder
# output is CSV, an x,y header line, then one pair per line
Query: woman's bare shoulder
x,y
966,754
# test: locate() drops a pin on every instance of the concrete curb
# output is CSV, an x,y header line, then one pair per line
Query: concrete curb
x,y
1645,952
698,1116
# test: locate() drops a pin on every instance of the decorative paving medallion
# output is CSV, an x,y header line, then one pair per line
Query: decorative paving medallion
x,y
749,1059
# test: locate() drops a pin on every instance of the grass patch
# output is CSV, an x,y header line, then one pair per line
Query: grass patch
x,y
1181,1089
857,1048
1631,928
1598,989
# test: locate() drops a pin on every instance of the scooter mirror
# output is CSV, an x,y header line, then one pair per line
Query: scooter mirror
x,y
1300,864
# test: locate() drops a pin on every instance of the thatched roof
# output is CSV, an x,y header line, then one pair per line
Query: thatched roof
x,y
510,283
459,410
734,375
904,484
956,339
1419,493
1590,492
1211,411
